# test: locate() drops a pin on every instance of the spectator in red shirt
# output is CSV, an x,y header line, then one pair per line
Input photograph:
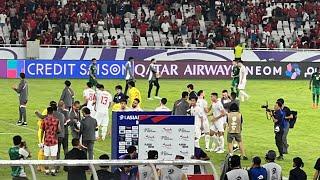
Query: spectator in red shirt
x,y
113,41
159,9
81,41
174,28
50,129
198,11
272,45
143,29
202,38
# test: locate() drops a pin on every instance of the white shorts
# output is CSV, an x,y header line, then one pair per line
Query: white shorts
x,y
206,126
242,85
92,111
102,119
50,150
217,126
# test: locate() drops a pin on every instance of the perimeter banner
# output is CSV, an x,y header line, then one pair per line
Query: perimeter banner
x,y
222,70
180,69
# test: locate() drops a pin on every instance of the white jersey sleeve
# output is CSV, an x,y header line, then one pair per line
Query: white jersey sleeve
x,y
90,96
104,100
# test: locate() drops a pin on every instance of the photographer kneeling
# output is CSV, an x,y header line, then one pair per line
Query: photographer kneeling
x,y
278,117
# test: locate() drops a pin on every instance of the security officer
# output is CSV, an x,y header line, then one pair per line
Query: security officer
x,y
238,50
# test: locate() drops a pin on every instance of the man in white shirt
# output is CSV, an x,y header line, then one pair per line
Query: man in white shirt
x,y
129,73
198,119
217,130
163,106
153,79
274,171
242,81
103,103
89,96
165,27
3,19
203,104
135,105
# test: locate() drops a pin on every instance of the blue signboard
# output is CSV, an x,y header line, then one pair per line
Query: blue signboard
x,y
125,130
65,69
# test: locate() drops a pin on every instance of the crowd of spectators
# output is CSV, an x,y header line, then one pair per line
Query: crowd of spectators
x,y
204,23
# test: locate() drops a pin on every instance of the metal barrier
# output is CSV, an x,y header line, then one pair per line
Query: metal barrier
x,y
208,166
155,47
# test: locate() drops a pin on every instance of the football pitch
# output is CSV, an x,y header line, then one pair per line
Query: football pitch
x,y
257,134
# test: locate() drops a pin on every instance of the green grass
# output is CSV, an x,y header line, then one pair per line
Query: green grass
x,y
258,133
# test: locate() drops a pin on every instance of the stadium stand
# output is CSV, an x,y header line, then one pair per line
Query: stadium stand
x,y
188,23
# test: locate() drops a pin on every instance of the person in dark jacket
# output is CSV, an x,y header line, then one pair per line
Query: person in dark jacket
x,y
67,95
181,106
104,172
88,128
76,172
22,90
297,173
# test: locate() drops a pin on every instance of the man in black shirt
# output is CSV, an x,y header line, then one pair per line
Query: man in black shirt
x,y
287,117
277,118
191,91
104,172
76,172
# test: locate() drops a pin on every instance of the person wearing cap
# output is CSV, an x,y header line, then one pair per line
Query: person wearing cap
x,y
278,118
274,170
129,76
287,117
145,171
93,72
297,173
257,172
236,171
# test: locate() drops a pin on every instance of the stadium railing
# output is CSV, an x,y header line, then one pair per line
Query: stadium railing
x,y
208,166
154,47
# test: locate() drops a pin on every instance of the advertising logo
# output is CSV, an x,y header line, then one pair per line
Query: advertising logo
x,y
149,130
128,117
166,138
183,130
293,71
167,146
167,130
165,153
149,138
14,68
184,137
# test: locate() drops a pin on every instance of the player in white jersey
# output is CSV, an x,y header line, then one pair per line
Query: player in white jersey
x,y
198,114
203,104
103,103
89,96
217,130
274,171
163,106
242,81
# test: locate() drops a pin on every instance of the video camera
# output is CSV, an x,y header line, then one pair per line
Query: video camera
x,y
266,107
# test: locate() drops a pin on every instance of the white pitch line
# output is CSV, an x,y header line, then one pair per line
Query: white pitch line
x,y
4,133
27,128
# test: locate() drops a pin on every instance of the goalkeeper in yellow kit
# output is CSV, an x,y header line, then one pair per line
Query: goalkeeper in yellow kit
x,y
133,93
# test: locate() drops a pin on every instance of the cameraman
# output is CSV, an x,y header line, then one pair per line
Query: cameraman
x,y
18,152
278,117
287,117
